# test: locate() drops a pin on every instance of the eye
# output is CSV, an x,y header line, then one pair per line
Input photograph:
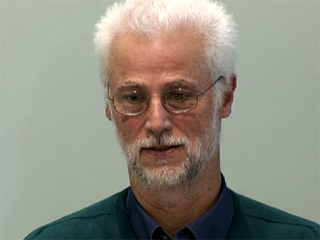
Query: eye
x,y
134,97
178,96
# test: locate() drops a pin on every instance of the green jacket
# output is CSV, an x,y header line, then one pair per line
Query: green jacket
x,y
108,220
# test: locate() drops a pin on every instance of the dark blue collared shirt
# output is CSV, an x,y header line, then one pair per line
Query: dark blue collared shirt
x,y
212,225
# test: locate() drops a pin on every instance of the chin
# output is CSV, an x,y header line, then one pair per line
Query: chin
x,y
160,176
165,175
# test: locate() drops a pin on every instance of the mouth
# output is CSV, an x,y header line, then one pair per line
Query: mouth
x,y
161,151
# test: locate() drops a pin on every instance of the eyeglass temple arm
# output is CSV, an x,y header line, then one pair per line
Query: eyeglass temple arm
x,y
109,92
221,77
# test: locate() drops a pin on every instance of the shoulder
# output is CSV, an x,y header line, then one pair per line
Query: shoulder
x,y
96,221
265,221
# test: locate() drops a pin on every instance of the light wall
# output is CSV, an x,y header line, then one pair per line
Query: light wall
x,y
59,153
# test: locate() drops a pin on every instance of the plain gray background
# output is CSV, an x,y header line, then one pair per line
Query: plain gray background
x,y
59,153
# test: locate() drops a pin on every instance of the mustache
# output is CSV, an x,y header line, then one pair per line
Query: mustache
x,y
163,140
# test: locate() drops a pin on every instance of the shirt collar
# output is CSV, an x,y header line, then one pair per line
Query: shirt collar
x,y
143,225
216,222
213,225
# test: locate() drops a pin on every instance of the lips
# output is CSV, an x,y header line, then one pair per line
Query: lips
x,y
161,148
161,151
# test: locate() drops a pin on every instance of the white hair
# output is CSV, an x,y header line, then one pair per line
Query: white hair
x,y
150,18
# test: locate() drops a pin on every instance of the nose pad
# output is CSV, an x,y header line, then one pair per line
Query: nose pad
x,y
158,118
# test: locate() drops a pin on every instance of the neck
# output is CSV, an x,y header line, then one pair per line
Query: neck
x,y
174,207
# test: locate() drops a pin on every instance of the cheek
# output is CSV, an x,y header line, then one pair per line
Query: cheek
x,y
207,112
192,125
128,128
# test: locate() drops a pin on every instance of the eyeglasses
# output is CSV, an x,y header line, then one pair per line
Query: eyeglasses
x,y
132,102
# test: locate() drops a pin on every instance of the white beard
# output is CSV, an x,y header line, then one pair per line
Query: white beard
x,y
199,153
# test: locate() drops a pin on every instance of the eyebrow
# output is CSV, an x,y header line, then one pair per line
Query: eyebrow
x,y
180,83
173,84
127,84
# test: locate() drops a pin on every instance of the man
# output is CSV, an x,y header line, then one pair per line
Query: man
x,y
168,70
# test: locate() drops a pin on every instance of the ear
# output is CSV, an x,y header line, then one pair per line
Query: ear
x,y
225,109
108,112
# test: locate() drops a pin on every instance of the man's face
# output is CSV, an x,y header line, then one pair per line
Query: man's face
x,y
164,148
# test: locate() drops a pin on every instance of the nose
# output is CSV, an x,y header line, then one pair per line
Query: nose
x,y
158,118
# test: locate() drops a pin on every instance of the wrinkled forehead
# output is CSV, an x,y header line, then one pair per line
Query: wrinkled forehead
x,y
180,51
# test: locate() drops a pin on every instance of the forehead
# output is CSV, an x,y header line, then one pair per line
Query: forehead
x,y
175,55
